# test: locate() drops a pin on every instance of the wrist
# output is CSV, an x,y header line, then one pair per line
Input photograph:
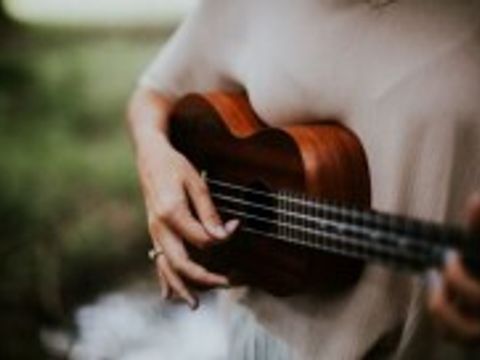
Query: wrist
x,y
151,141
146,133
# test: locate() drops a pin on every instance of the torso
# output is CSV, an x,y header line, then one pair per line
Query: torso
x,y
404,76
333,58
382,70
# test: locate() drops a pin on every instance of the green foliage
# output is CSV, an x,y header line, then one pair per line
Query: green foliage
x,y
70,212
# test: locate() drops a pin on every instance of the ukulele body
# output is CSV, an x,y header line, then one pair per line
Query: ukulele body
x,y
220,134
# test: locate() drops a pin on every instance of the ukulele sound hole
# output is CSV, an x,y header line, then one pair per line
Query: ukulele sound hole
x,y
260,207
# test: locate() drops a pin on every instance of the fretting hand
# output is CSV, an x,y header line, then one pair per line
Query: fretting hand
x,y
454,295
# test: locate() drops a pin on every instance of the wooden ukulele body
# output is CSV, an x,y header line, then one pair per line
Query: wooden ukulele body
x,y
220,134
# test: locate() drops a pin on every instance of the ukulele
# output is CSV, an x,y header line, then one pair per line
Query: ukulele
x,y
302,194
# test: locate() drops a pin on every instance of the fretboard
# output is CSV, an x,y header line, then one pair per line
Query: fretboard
x,y
365,234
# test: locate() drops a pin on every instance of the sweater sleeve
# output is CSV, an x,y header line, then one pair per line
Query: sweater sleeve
x,y
191,60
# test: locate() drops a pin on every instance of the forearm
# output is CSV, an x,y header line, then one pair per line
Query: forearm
x,y
148,118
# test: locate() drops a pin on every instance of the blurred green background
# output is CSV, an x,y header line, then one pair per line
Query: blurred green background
x,y
71,216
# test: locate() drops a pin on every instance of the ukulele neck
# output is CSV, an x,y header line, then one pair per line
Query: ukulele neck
x,y
395,241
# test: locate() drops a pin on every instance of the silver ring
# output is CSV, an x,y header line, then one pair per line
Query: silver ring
x,y
153,253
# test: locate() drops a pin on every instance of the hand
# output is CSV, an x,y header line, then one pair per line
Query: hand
x,y
169,183
454,296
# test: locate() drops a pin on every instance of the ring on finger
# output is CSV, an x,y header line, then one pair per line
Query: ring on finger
x,y
155,252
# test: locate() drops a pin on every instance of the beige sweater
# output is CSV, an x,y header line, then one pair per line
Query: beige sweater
x,y
404,75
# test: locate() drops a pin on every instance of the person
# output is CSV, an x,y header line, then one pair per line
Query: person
x,y
404,75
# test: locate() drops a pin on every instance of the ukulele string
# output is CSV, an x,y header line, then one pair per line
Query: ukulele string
x,y
273,196
341,227
421,231
421,264
386,250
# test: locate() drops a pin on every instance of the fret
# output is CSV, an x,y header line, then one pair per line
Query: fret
x,y
282,210
302,210
318,214
288,208
286,218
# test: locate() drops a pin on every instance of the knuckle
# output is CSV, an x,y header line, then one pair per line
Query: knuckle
x,y
164,212
168,209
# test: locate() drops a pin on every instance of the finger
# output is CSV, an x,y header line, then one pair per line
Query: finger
x,y
156,235
189,228
204,207
460,281
449,316
473,212
176,214
179,260
176,283
199,274
232,225
165,290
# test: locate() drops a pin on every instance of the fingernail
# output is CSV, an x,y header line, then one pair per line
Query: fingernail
x,y
232,225
192,303
450,257
218,231
434,279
